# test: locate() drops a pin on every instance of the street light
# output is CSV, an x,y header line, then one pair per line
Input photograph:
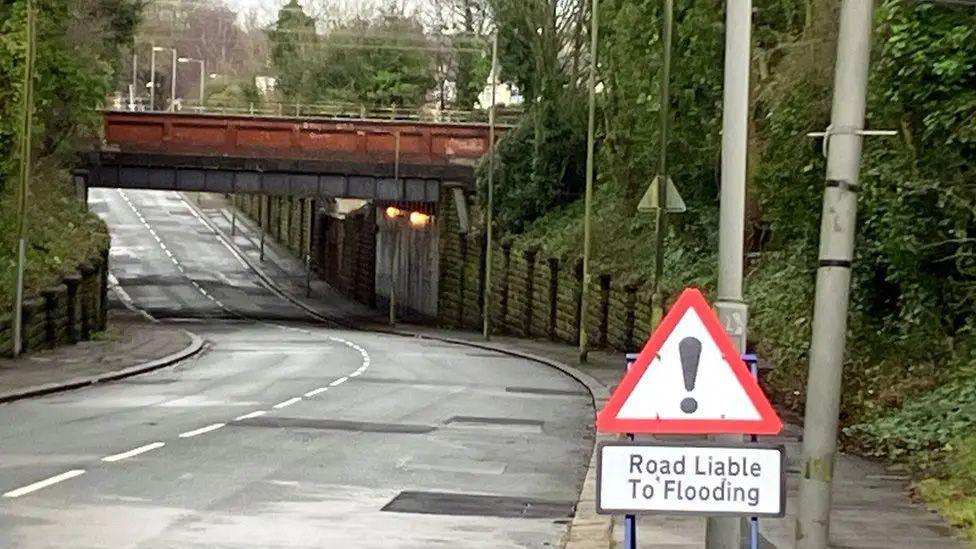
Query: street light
x,y
25,174
202,74
419,219
590,160
172,87
134,89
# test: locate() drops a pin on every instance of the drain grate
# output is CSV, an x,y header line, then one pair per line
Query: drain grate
x,y
153,281
542,391
499,421
334,425
480,505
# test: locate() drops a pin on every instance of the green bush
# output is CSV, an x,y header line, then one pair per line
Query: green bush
x,y
77,43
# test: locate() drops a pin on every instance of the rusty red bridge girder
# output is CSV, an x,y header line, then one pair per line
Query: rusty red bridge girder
x,y
280,155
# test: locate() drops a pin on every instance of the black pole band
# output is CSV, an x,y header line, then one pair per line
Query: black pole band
x,y
843,185
835,263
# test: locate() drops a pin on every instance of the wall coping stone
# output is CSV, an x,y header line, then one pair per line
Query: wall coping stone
x,y
52,290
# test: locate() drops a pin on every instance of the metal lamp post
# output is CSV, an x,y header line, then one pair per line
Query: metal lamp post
x,y
172,86
724,532
134,89
588,201
152,79
486,298
202,75
25,171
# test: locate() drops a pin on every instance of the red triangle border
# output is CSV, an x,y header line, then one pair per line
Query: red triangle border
x,y
769,422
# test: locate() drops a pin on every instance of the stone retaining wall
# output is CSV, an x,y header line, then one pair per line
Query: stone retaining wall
x,y
69,312
535,295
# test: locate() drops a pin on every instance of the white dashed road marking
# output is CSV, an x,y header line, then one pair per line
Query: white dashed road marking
x,y
252,415
339,381
202,430
314,392
44,483
133,452
287,403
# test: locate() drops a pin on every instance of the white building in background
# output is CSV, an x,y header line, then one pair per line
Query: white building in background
x,y
265,84
505,95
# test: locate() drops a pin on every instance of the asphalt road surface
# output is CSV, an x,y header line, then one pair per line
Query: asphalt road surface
x,y
286,432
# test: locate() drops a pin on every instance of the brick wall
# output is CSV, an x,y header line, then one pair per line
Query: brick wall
x,y
343,251
69,312
364,289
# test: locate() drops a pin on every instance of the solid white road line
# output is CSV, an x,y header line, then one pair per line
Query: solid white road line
x,y
339,381
314,392
133,452
44,483
252,415
288,402
202,430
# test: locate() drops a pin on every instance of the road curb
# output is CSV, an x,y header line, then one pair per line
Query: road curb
x,y
195,346
588,530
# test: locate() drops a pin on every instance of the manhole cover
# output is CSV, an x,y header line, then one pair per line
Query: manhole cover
x,y
442,503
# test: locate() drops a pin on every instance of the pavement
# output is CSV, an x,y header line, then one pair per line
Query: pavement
x,y
872,505
286,430
131,345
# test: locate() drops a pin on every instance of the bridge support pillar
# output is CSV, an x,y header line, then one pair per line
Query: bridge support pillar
x,y
79,177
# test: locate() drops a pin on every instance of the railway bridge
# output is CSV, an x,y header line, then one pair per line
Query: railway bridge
x,y
289,174
383,160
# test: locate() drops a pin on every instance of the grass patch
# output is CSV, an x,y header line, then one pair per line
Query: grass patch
x,y
954,494
622,242
61,233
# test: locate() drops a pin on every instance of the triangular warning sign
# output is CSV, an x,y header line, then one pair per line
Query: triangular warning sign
x,y
689,379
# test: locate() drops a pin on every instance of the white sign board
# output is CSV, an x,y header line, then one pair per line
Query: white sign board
x,y
691,478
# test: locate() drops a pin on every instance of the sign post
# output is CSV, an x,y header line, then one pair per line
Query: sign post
x,y
630,520
753,362
690,379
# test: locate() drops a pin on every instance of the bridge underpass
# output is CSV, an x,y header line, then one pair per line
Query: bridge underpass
x,y
288,168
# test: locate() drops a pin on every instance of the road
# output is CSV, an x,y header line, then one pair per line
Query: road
x,y
286,432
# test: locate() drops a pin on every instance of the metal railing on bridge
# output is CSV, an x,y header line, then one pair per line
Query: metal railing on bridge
x,y
504,116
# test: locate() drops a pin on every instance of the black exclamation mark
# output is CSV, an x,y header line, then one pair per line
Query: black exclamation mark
x,y
690,350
